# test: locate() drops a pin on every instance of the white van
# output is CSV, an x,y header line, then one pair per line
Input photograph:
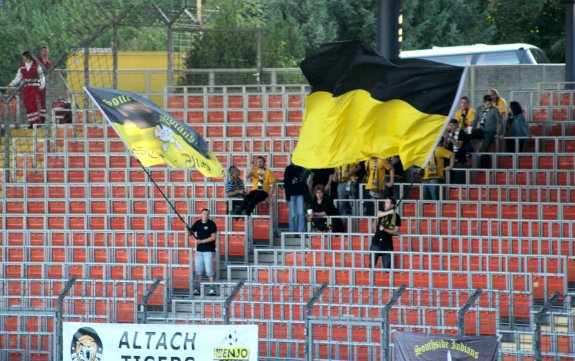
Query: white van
x,y
481,54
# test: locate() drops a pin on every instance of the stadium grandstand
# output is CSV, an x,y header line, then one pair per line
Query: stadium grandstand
x,y
87,237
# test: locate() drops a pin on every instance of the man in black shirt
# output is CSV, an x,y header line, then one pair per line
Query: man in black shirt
x,y
294,186
204,230
455,140
388,225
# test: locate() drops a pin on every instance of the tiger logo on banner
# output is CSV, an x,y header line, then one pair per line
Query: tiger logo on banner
x,y
153,135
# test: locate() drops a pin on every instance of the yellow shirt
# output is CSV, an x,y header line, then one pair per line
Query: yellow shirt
x,y
344,173
262,179
382,166
469,117
434,169
501,105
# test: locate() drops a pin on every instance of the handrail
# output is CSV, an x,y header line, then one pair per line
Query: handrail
x,y
229,300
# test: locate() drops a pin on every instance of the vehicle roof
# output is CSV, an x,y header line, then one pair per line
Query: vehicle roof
x,y
465,49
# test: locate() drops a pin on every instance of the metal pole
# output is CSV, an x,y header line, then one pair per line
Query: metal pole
x,y
569,42
308,328
115,44
147,296
229,300
538,320
464,309
385,324
7,138
388,12
59,315
260,56
170,56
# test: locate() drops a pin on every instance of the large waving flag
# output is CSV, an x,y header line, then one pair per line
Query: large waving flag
x,y
153,135
363,105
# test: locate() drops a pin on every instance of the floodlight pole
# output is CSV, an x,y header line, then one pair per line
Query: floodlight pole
x,y
388,28
569,43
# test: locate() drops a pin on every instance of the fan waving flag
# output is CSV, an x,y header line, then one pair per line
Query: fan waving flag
x,y
153,135
363,105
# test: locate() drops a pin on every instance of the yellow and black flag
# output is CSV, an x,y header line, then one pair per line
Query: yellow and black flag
x,y
153,135
363,105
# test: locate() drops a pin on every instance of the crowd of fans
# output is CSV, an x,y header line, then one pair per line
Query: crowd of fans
x,y
311,193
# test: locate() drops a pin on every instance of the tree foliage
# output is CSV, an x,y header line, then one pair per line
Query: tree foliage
x,y
445,23
292,28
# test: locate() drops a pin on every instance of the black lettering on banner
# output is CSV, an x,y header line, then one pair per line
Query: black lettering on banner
x,y
172,341
175,358
149,358
190,359
134,344
126,358
150,334
124,340
162,341
162,358
136,358
190,340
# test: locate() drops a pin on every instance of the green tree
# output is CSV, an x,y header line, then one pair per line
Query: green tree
x,y
355,19
537,22
445,23
228,49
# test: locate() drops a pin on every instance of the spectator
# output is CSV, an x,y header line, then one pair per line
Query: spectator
x,y
465,114
499,103
235,188
262,187
321,207
397,177
204,230
46,65
388,225
456,140
295,186
489,121
33,77
377,169
377,180
347,186
434,172
516,127
323,177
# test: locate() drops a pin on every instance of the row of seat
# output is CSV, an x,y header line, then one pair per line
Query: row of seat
x,y
436,243
179,275
279,160
359,323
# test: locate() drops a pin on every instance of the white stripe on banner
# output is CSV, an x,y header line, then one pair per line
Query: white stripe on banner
x,y
142,342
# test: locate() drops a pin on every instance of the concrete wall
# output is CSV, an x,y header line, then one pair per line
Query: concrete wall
x,y
514,82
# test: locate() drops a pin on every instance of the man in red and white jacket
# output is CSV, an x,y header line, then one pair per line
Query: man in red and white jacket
x,y
46,65
33,76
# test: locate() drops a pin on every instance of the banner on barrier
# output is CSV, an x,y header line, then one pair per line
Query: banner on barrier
x,y
148,342
418,347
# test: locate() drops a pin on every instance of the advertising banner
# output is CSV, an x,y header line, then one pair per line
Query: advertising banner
x,y
149,342
418,347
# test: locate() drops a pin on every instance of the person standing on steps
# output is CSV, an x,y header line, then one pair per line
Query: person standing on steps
x,y
204,231
388,225
295,186
32,75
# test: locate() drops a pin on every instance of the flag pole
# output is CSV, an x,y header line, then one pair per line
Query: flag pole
x,y
406,191
163,194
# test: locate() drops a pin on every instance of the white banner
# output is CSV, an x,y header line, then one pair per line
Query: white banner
x,y
148,342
